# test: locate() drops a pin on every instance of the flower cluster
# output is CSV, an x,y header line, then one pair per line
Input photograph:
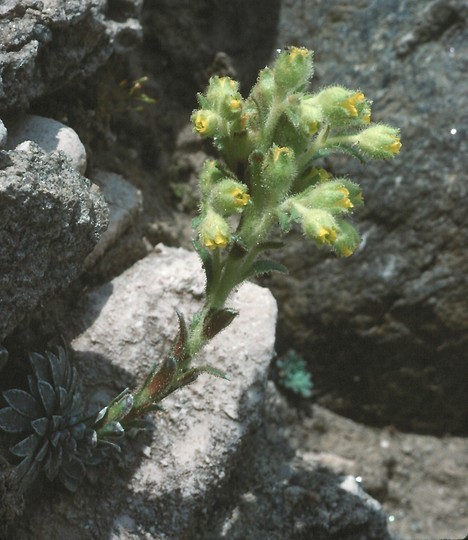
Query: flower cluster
x,y
269,143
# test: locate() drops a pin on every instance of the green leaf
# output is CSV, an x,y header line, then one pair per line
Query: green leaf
x,y
212,371
179,349
207,262
217,320
264,266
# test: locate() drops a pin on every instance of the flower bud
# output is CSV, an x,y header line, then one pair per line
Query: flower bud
x,y
228,197
214,231
223,97
379,141
206,123
317,224
264,89
331,196
209,175
340,104
347,240
310,116
279,168
292,69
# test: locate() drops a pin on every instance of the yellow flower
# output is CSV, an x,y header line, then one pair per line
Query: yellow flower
x,y
235,105
350,104
217,241
326,235
205,122
214,231
241,198
345,202
395,146
278,150
298,51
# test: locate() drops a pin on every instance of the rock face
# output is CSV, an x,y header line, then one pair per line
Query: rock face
x,y
50,219
214,455
187,36
49,135
46,44
386,331
177,477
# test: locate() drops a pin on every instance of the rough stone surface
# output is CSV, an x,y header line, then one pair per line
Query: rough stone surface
x,y
44,45
49,135
50,219
172,482
3,135
386,331
125,206
188,35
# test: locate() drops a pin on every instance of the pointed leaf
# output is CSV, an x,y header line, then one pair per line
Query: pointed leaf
x,y
48,397
3,357
13,422
207,262
26,447
32,384
40,426
23,403
179,348
42,453
63,399
57,368
265,266
212,371
39,365
53,463
217,320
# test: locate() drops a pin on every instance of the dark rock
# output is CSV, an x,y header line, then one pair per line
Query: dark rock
x,y
386,331
186,36
46,45
50,219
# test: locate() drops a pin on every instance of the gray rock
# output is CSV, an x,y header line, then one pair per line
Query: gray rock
x,y
50,219
46,45
170,483
386,331
3,135
49,135
280,495
125,206
189,35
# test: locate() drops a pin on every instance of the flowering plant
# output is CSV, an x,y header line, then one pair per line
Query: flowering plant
x,y
265,181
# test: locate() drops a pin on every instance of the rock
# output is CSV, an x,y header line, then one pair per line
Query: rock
x,y
171,483
386,331
49,135
46,45
3,135
125,207
278,495
188,35
50,219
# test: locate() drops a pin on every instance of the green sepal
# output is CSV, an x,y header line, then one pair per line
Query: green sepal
x,y
119,408
112,429
207,262
202,101
217,320
265,266
180,346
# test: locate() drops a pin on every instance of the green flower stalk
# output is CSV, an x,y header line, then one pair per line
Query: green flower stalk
x,y
267,175
267,179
